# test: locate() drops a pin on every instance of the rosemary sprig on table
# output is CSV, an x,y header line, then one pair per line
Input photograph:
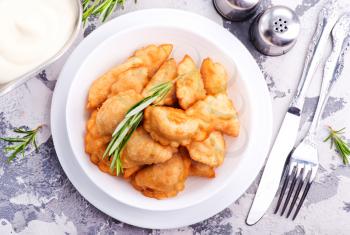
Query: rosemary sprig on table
x,y
342,147
18,145
102,8
129,124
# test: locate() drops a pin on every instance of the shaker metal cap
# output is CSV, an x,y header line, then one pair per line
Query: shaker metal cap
x,y
236,10
275,31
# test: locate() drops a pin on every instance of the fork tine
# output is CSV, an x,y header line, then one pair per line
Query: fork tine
x,y
285,183
296,194
286,180
291,189
302,199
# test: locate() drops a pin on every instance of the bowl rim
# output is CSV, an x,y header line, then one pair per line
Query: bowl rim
x,y
70,97
11,85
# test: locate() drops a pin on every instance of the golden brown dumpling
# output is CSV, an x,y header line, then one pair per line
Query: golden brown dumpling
x,y
219,111
201,170
113,111
210,151
167,72
171,126
129,172
197,168
142,149
214,77
163,180
132,79
95,145
154,56
189,86
100,88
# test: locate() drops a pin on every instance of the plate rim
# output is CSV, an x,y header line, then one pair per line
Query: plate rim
x,y
70,64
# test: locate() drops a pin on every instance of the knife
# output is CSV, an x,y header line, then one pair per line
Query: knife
x,y
287,135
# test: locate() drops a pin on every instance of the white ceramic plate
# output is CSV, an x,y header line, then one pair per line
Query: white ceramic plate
x,y
257,125
185,41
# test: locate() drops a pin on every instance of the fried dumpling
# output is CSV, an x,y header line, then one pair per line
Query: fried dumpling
x,y
210,151
100,88
129,172
95,145
132,79
197,168
189,86
142,149
219,111
154,56
201,170
163,180
214,77
113,111
171,126
128,163
167,72
129,167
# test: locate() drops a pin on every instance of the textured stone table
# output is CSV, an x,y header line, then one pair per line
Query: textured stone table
x,y
37,198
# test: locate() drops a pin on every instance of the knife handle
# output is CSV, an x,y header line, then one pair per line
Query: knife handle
x,y
326,20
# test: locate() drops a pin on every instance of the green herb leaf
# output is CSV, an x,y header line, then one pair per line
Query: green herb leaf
x,y
101,8
130,123
18,145
341,146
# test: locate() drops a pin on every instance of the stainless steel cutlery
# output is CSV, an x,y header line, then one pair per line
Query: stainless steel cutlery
x,y
303,163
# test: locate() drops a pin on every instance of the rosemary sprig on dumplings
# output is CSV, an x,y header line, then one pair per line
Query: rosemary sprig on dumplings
x,y
128,125
342,147
18,145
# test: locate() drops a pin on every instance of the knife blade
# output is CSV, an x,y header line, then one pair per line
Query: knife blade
x,y
288,131
270,180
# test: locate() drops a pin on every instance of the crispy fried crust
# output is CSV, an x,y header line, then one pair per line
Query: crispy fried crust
x,y
95,145
154,56
201,170
189,86
132,79
218,110
214,77
143,150
162,180
129,172
167,72
113,111
171,126
210,151
196,168
100,88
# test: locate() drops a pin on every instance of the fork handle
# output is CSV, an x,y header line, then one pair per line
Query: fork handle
x,y
326,20
333,67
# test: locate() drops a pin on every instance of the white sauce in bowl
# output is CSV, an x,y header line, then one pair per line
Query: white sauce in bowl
x,y
31,32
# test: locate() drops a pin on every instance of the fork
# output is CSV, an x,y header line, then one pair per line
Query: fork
x,y
304,160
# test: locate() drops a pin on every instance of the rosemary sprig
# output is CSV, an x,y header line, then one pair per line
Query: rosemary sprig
x,y
18,145
129,124
342,147
102,8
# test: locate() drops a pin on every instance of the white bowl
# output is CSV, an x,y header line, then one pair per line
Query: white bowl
x,y
115,50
